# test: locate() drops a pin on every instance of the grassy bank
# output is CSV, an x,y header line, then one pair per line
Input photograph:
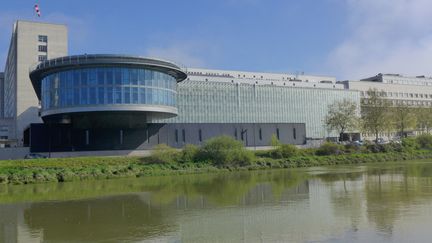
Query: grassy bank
x,y
216,155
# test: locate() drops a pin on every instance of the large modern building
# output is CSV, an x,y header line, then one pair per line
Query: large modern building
x,y
30,43
109,102
399,89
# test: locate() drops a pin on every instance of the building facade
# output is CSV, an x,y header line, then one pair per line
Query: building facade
x,y
247,97
399,89
102,102
30,43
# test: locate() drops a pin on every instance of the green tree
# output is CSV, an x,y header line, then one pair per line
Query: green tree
x,y
424,119
342,116
403,117
375,113
274,142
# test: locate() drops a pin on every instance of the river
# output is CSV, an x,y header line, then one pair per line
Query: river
x,y
388,202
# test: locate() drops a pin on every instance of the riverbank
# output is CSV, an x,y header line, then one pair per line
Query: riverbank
x,y
90,168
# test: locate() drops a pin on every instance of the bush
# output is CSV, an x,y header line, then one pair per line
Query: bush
x,y
274,141
164,154
225,151
375,148
189,153
410,144
424,141
328,148
284,151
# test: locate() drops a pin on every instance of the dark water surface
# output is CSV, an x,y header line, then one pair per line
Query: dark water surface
x,y
389,202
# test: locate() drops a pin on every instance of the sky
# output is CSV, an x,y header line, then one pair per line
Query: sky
x,y
349,39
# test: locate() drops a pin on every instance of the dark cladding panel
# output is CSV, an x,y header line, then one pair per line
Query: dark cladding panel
x,y
63,137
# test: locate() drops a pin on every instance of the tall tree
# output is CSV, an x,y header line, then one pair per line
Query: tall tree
x,y
375,112
424,119
403,117
342,116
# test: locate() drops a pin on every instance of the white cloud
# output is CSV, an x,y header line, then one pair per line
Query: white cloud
x,y
388,36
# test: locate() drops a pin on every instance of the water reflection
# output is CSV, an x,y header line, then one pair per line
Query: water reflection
x,y
320,204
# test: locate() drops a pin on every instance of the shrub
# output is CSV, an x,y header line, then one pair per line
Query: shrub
x,y
224,151
164,154
409,144
189,153
284,151
328,148
424,141
375,148
274,142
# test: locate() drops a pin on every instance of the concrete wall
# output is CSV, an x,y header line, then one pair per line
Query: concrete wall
x,y
13,153
21,101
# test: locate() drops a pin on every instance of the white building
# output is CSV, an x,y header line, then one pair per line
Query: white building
x,y
412,91
30,43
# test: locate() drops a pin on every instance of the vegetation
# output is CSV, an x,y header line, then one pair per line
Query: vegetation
x,y
403,117
218,154
225,151
423,119
342,116
375,113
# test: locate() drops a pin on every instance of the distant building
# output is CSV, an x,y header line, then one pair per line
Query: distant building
x,y
1,94
30,43
400,90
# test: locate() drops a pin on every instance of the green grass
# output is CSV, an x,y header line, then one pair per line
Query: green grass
x,y
90,168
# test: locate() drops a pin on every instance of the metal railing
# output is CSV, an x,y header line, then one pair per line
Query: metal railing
x,y
105,58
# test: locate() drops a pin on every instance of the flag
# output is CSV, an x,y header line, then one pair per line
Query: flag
x,y
36,8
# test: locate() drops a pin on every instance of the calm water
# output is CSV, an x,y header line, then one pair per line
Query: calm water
x,y
335,204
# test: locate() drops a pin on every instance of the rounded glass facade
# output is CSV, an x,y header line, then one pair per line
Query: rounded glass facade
x,y
101,86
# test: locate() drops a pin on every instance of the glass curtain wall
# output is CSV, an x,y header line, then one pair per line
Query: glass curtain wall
x,y
108,86
219,102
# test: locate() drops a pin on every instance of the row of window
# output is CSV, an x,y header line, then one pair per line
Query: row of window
x,y
410,82
42,58
99,86
43,38
399,95
109,76
110,95
242,134
405,102
42,48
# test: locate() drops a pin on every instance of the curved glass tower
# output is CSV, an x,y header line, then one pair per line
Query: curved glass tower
x,y
106,90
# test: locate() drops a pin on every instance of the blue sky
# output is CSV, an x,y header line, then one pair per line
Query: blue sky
x,y
348,39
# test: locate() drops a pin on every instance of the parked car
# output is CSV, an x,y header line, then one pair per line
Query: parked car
x,y
35,156
357,143
382,141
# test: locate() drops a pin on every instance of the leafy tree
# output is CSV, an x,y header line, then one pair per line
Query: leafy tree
x,y
424,119
375,113
403,117
342,116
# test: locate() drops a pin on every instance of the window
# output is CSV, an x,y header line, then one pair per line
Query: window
x,y
43,38
184,136
200,135
294,133
42,58
43,48
235,134
87,137
4,128
121,136
260,134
